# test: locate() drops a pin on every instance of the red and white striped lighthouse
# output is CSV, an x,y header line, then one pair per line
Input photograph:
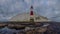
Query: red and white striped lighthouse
x,y
31,11
31,14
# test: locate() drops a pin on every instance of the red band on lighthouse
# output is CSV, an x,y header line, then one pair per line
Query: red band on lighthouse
x,y
31,13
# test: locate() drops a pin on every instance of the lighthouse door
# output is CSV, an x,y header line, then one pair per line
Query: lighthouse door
x,y
31,20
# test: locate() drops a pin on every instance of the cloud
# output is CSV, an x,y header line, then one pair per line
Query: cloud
x,y
10,8
48,8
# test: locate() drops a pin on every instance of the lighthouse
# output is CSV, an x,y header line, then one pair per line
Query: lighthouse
x,y
31,14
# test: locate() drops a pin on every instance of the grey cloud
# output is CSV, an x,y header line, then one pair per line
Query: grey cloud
x,y
48,8
10,8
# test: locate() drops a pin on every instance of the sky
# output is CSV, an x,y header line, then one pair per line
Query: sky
x,y
47,8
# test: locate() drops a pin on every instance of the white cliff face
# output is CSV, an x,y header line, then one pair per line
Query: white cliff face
x,y
26,17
